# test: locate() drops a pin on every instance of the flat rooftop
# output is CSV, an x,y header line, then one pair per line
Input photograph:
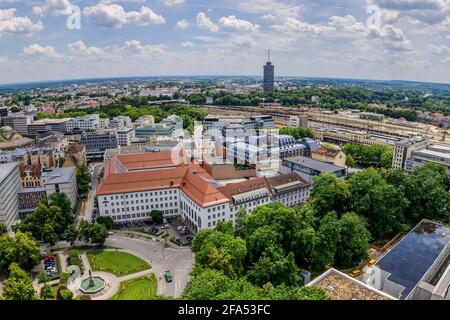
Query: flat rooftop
x,y
339,286
60,175
409,260
314,164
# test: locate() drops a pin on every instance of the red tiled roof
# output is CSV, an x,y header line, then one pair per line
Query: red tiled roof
x,y
122,176
245,186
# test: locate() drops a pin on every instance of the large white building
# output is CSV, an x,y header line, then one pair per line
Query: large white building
x,y
125,136
136,184
10,184
404,148
88,122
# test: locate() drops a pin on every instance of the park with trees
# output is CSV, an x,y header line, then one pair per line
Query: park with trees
x,y
265,251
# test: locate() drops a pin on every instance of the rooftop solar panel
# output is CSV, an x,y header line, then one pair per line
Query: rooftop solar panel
x,y
409,260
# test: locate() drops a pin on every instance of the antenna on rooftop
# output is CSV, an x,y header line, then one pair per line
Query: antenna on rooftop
x,y
268,55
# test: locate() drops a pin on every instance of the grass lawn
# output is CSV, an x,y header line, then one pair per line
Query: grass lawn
x,y
143,288
116,262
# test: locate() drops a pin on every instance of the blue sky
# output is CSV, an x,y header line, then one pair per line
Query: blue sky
x,y
372,39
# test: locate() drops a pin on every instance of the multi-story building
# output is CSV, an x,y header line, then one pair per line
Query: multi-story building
x,y
75,155
29,199
88,122
328,155
299,121
125,136
18,155
136,184
9,188
18,122
61,180
42,156
30,175
98,142
59,125
144,120
438,154
308,168
269,76
404,148
120,122
103,123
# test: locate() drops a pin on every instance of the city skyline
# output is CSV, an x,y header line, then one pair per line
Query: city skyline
x,y
374,39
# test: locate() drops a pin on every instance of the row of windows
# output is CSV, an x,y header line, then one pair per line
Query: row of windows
x,y
142,201
151,207
143,194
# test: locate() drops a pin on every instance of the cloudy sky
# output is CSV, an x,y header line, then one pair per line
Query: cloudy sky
x,y
370,39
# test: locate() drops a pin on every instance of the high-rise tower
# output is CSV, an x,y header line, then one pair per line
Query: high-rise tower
x,y
269,75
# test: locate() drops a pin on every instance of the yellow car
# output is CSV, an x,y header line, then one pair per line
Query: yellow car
x,y
355,273
372,262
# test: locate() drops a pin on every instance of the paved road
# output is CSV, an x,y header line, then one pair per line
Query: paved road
x,y
179,261
88,205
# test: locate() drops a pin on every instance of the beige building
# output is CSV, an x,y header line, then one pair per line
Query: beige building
x,y
333,156
43,157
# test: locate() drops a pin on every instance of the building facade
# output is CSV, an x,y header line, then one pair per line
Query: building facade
x,y
61,180
9,188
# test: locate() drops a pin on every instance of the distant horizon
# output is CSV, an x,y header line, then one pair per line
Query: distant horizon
x,y
52,81
349,39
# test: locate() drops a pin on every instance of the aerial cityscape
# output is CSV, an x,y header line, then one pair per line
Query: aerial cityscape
x,y
228,169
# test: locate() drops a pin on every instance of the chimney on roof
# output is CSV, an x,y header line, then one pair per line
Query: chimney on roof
x,y
171,183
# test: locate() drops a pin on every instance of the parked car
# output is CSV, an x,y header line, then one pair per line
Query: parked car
x,y
168,276
165,226
355,273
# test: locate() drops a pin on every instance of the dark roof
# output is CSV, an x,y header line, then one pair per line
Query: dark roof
x,y
285,179
245,186
411,257
314,164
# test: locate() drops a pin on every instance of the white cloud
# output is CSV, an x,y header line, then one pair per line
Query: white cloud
x,y
204,22
38,50
114,15
144,17
294,25
438,50
56,7
182,24
79,48
392,37
231,22
187,44
135,47
171,3
426,11
11,24
271,8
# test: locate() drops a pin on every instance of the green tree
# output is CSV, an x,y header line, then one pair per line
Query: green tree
x,y
18,285
381,204
108,222
84,231
84,180
433,204
327,240
3,229
23,249
350,162
274,267
71,235
354,241
99,233
157,216
47,293
49,235
330,194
